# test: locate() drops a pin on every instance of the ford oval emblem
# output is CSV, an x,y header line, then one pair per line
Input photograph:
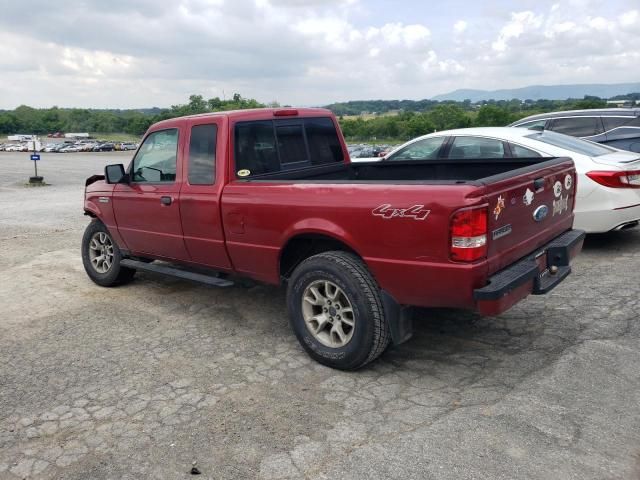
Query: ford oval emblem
x,y
540,213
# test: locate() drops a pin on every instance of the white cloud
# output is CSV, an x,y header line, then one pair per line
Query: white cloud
x,y
131,53
520,23
460,26
630,18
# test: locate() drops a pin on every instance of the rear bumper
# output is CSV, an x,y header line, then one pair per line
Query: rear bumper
x,y
606,220
536,274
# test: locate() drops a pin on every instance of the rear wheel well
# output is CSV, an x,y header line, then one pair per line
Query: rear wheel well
x,y
304,246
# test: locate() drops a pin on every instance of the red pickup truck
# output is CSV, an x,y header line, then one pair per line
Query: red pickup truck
x,y
270,194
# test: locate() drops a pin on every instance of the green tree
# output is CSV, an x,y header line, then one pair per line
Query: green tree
x,y
448,116
492,116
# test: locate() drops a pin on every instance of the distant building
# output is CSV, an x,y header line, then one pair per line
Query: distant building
x,y
622,103
21,138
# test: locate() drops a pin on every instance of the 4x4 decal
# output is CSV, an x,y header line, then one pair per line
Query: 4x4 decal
x,y
386,211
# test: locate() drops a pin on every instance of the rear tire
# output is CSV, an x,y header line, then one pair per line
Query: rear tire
x,y
101,257
336,311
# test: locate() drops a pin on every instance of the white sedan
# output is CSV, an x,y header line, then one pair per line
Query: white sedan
x,y
608,195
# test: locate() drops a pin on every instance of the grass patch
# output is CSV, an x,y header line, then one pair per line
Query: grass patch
x,y
117,137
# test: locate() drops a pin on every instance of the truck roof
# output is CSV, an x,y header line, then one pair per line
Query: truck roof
x,y
252,114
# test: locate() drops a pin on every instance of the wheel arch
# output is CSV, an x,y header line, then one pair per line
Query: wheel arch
x,y
306,244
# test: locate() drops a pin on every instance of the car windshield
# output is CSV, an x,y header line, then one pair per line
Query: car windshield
x,y
570,143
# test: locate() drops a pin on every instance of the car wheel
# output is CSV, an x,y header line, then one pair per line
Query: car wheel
x,y
336,311
101,257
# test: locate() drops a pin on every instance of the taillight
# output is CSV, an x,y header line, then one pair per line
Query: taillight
x,y
469,234
630,179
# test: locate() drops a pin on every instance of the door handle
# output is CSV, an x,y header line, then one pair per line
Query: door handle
x,y
165,200
538,183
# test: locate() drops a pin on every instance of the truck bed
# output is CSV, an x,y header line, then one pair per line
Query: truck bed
x,y
347,200
476,171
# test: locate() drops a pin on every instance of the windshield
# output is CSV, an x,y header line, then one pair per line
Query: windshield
x,y
570,143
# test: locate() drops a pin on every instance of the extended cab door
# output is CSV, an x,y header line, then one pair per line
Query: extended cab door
x,y
147,209
201,190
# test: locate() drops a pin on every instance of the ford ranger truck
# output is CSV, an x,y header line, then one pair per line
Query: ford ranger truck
x,y
271,194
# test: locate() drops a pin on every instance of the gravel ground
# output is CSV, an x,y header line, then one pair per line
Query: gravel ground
x,y
141,381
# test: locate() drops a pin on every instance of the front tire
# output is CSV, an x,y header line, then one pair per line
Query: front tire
x,y
336,311
101,257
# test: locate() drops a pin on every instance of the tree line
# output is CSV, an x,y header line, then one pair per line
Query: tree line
x,y
384,120
438,116
41,121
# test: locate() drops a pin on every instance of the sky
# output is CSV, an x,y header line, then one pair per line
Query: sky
x,y
145,53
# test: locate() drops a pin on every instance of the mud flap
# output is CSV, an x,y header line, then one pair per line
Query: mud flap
x,y
399,319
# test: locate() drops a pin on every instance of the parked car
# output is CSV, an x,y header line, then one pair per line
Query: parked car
x,y
104,147
616,127
608,195
69,149
47,147
270,194
15,147
128,146
58,147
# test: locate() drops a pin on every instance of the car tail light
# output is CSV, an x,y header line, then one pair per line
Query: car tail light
x,y
612,179
469,234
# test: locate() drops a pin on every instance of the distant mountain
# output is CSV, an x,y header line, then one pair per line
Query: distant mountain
x,y
542,92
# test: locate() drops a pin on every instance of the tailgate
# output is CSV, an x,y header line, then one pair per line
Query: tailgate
x,y
528,207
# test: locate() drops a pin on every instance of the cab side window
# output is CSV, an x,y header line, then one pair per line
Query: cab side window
x,y
202,155
155,161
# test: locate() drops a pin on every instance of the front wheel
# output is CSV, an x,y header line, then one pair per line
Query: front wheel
x,y
336,312
101,257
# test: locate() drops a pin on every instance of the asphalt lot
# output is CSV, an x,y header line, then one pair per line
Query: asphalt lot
x,y
143,380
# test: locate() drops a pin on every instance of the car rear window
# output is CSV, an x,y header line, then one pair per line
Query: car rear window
x,y
570,143
577,126
533,125
273,145
476,147
518,151
614,122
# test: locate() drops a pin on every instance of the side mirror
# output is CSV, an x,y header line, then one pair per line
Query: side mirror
x,y
115,173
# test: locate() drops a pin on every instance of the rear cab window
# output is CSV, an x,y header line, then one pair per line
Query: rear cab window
x,y
270,146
